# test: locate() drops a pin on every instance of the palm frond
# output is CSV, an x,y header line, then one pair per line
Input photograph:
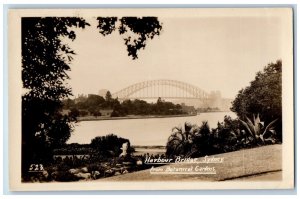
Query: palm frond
x,y
171,138
178,129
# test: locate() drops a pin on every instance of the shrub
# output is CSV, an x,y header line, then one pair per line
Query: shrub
x,y
229,136
96,167
109,145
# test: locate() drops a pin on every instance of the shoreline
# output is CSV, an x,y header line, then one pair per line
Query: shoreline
x,y
79,119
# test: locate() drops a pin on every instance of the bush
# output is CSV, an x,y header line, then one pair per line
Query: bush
x,y
109,145
97,167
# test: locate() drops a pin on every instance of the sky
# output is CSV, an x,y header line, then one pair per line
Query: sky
x,y
212,53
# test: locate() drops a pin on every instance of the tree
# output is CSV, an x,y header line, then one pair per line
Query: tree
x,y
74,112
108,96
263,96
94,101
97,113
83,113
202,141
68,103
138,30
45,60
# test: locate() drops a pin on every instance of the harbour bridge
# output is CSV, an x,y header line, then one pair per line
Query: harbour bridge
x,y
166,89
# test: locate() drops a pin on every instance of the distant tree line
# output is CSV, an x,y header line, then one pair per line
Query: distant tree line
x,y
141,107
208,109
92,104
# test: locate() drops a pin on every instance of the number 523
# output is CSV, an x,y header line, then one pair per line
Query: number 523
x,y
36,168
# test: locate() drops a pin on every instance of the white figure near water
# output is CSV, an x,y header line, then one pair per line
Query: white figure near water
x,y
124,149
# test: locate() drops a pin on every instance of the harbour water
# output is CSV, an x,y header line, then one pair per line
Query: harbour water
x,y
143,132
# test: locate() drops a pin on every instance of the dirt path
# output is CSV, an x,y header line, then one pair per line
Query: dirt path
x,y
261,163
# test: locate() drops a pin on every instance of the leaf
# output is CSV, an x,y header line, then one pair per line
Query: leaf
x,y
247,127
257,119
256,124
262,138
142,28
271,140
269,126
251,126
233,134
178,129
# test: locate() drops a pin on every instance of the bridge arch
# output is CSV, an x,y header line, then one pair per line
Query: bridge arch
x,y
194,91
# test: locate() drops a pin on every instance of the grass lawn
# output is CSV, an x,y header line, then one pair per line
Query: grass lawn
x,y
261,163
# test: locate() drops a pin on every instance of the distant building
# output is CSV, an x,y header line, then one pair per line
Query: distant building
x,y
188,109
215,102
215,99
106,112
80,98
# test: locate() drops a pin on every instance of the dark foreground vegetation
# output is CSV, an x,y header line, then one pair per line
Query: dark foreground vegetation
x,y
105,156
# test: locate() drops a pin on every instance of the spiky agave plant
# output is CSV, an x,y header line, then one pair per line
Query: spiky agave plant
x,y
258,131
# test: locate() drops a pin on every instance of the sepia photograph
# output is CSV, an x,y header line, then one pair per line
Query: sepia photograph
x,y
158,99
